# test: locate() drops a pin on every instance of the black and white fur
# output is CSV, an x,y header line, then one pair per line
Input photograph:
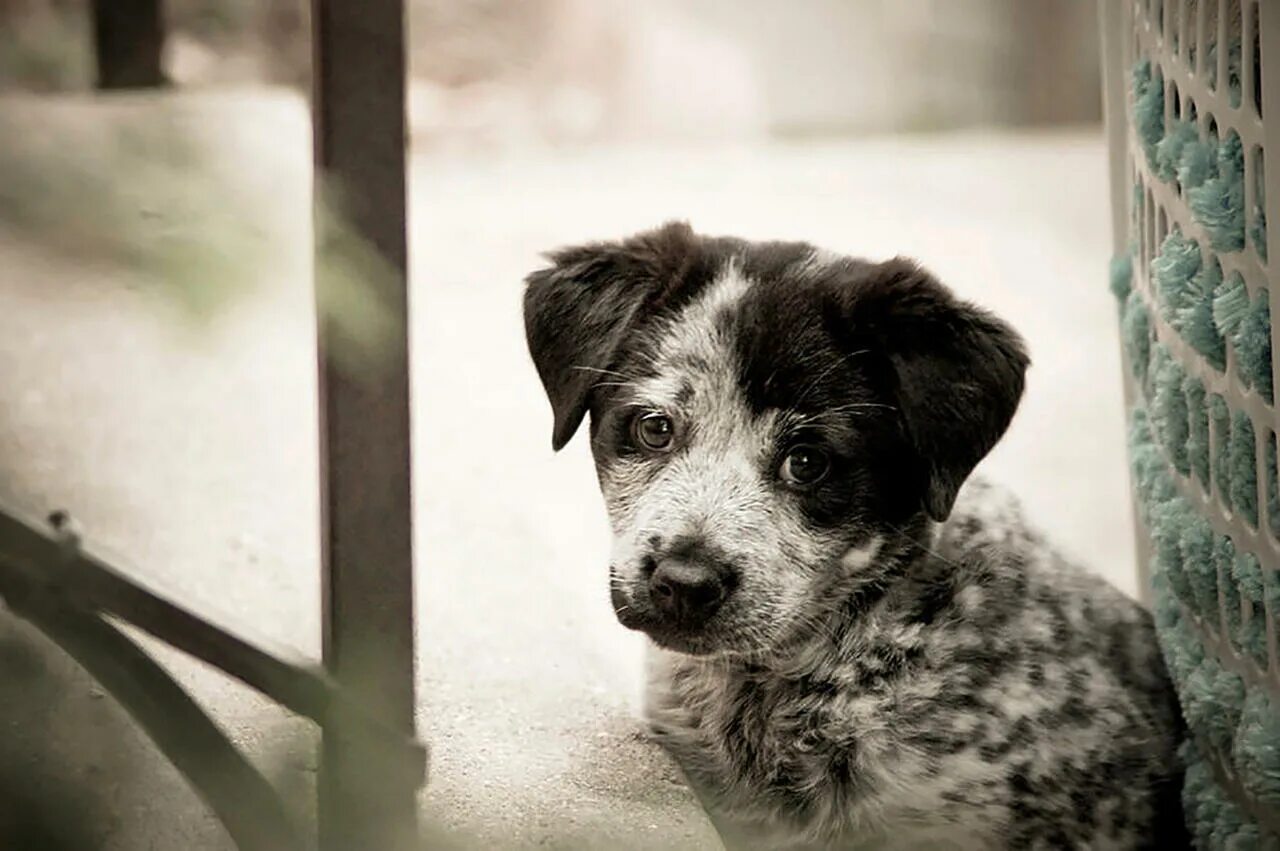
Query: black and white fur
x,y
887,656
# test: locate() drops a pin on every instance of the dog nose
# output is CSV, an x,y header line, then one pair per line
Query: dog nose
x,y
686,592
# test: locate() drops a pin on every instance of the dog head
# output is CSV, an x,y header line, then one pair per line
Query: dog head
x,y
766,420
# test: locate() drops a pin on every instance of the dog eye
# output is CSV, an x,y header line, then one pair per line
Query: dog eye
x,y
654,431
804,465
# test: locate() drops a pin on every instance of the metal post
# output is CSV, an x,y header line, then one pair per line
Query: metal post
x,y
1115,76
1113,24
128,37
359,120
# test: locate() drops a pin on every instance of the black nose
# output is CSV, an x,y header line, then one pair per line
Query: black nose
x,y
686,592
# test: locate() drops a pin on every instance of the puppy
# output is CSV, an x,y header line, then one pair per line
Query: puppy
x,y
859,645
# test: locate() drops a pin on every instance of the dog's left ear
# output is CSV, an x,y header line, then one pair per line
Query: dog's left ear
x,y
578,311
958,371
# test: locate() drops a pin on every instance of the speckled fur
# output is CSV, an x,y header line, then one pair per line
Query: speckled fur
x,y
995,696
902,662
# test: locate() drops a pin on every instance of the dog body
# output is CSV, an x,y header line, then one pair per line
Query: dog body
x,y
993,696
857,648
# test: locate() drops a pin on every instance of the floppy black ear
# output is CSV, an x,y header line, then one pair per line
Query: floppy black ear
x,y
578,311
958,371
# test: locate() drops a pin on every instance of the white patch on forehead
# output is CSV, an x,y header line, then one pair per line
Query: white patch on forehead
x,y
693,337
724,293
817,260
860,558
695,380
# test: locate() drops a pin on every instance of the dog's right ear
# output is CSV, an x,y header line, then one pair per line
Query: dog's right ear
x,y
578,311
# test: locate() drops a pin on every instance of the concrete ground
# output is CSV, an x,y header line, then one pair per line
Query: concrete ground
x,y
192,454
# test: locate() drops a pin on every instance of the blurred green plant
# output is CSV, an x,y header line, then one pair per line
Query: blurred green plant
x,y
355,290
219,19
45,49
144,198
133,197
48,799
46,45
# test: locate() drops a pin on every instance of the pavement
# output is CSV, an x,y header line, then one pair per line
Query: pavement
x,y
190,450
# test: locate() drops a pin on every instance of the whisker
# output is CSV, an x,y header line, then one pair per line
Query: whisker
x,y
840,409
927,549
813,385
599,370
856,406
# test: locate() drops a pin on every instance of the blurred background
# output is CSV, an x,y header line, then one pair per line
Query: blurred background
x,y
157,343
497,72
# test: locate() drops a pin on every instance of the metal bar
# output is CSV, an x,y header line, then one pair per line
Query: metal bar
x,y
91,583
30,558
1114,77
128,37
1269,46
1114,29
242,799
368,634
1269,38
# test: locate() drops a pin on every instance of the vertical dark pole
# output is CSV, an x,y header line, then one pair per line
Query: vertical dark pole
x,y
359,118
128,37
